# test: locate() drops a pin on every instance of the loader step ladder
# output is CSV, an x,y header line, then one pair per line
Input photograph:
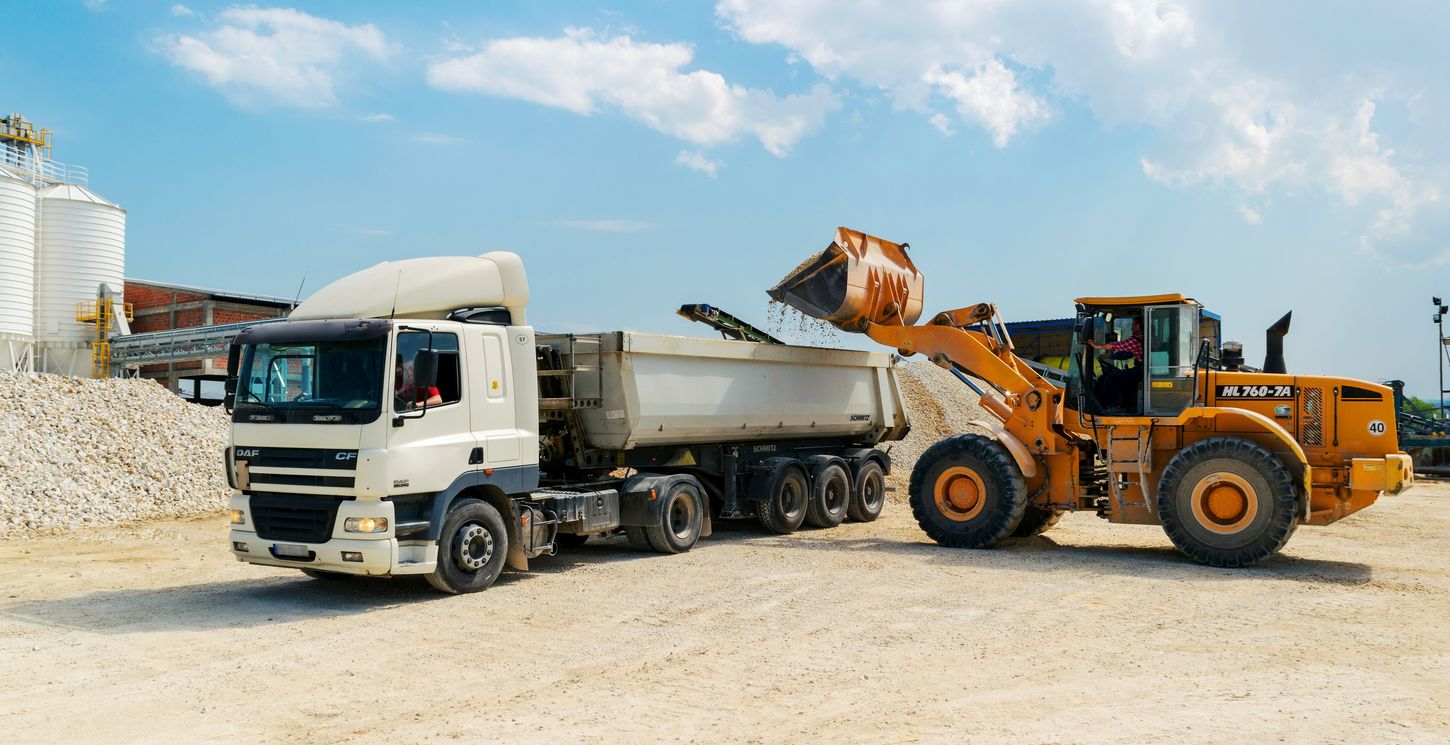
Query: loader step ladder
x,y
1128,466
575,373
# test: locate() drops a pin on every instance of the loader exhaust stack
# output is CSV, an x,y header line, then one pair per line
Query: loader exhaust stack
x,y
858,280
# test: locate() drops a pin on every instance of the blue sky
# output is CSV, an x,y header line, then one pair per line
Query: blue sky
x,y
1261,157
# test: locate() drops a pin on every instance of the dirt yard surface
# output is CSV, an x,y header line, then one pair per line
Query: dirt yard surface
x,y
1093,633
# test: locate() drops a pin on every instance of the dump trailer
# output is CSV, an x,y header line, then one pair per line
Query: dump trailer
x,y
407,420
1154,425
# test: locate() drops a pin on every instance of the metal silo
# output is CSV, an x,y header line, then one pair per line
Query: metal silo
x,y
82,248
17,271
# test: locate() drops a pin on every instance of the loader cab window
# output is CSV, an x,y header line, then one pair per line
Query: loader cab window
x,y
1106,370
1172,348
407,393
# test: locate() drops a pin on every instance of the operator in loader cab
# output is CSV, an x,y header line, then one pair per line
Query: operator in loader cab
x,y
1117,385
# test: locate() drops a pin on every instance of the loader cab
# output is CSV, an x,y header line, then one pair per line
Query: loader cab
x,y
1116,383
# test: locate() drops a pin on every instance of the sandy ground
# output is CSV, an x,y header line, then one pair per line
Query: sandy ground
x,y
1094,633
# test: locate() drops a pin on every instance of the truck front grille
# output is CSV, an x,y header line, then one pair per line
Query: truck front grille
x,y
294,517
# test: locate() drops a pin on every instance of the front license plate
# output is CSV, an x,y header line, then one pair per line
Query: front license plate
x,y
291,549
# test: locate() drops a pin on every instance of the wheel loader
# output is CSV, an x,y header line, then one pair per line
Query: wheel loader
x,y
1154,426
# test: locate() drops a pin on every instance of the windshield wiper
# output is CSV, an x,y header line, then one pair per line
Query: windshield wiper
x,y
258,400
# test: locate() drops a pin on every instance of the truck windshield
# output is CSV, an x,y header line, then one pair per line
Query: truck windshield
x,y
329,382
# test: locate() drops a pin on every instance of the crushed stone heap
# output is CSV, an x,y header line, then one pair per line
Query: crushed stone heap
x,y
939,405
77,452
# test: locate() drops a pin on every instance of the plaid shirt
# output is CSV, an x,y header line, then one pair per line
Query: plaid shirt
x,y
1131,344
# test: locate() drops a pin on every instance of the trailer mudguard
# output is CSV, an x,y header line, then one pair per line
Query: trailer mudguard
x,y
639,503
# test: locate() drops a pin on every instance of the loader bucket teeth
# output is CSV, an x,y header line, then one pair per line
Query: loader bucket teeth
x,y
858,280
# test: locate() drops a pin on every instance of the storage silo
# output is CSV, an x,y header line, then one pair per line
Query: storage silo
x,y
17,271
82,248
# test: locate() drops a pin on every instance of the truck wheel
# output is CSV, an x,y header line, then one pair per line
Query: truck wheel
x,y
637,538
869,496
471,548
830,496
326,575
682,515
1036,521
787,493
966,492
1227,502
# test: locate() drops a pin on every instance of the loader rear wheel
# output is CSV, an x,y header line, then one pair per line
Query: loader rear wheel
x,y
869,496
1036,521
830,496
1228,502
786,496
967,492
682,515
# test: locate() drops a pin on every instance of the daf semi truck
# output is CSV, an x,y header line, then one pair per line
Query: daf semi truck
x,y
406,419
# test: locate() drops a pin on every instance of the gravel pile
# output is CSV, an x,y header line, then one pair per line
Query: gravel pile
x,y
939,405
77,452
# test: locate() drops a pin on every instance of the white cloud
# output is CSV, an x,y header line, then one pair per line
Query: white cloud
x,y
276,55
586,72
608,226
437,138
1260,98
95,4
1251,215
379,117
181,11
943,123
696,161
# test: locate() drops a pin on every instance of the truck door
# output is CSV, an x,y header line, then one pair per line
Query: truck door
x,y
1171,344
433,445
493,410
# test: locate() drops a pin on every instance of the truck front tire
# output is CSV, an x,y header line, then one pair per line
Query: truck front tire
x,y
471,549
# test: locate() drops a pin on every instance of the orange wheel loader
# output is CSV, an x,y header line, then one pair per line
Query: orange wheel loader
x,y
1153,427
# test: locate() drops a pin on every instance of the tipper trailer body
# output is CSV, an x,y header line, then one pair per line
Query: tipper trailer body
x,y
407,420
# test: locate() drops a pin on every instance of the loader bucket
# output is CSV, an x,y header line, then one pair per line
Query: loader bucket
x,y
858,280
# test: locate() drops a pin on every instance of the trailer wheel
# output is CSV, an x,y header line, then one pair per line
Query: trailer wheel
x,y
1036,521
471,548
869,496
787,494
830,496
682,515
1228,502
638,540
966,492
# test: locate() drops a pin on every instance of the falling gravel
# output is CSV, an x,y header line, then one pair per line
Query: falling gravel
x,y
77,452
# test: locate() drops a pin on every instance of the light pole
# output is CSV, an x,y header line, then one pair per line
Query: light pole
x,y
1441,350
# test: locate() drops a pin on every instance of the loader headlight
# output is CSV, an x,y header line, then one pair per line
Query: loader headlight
x,y
239,517
366,525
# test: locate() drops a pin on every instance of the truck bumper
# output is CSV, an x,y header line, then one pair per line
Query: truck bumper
x,y
373,557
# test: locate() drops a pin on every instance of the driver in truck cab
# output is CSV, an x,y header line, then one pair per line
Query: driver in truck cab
x,y
413,396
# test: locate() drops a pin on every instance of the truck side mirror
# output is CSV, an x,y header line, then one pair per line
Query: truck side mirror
x,y
425,368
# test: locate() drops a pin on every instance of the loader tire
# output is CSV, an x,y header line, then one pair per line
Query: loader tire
x,y
637,538
682,516
471,548
1036,521
967,492
869,495
830,496
786,496
1228,502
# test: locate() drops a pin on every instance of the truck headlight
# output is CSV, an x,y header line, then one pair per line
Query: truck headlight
x,y
239,517
366,525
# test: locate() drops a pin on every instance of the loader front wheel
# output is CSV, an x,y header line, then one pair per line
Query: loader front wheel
x,y
966,492
1228,502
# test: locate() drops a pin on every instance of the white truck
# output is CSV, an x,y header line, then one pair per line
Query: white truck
x,y
406,420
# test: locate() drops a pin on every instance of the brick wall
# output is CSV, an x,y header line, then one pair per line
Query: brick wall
x,y
143,296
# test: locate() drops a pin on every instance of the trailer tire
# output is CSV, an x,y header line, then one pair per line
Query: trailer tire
x,y
1228,502
1036,521
323,574
472,548
869,495
682,516
786,497
830,495
966,492
638,540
